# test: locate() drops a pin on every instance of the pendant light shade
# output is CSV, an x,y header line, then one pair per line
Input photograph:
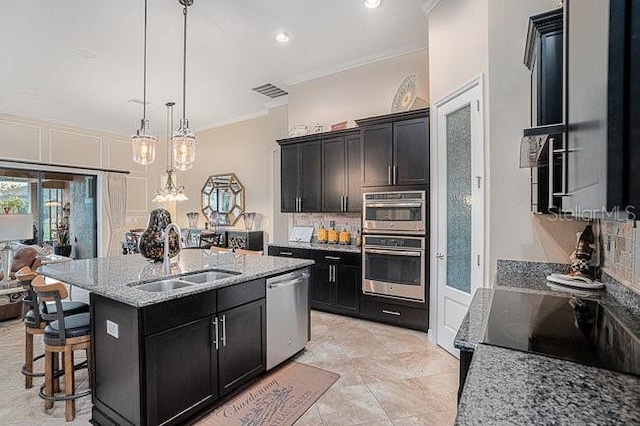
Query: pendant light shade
x,y
144,141
184,140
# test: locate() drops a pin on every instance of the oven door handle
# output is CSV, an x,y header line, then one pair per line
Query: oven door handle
x,y
383,205
394,252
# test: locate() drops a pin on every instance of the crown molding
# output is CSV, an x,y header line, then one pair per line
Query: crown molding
x,y
284,100
234,120
345,66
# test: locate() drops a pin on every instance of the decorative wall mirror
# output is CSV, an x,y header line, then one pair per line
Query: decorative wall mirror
x,y
223,199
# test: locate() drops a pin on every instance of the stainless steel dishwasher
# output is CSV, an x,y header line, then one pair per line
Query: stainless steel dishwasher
x,y
287,315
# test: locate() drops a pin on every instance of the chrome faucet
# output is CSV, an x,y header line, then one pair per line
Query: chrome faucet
x,y
166,264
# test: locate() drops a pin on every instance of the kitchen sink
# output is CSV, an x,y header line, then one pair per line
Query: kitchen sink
x,y
207,277
166,285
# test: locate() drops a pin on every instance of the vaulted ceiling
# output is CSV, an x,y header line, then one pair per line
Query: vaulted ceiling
x,y
80,62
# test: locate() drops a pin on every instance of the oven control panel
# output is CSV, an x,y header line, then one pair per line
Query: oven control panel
x,y
390,242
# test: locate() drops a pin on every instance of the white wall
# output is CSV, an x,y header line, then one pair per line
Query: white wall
x,y
356,93
246,149
57,144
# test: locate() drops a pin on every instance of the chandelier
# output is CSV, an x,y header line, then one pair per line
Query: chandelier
x,y
170,191
184,140
144,141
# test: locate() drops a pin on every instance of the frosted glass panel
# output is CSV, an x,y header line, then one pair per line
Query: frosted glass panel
x,y
459,199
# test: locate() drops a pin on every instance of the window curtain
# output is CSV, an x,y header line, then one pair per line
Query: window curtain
x,y
115,200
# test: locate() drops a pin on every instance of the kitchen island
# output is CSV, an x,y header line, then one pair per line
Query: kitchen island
x,y
168,346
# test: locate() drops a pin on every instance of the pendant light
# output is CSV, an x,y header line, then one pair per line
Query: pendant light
x,y
170,192
144,141
184,140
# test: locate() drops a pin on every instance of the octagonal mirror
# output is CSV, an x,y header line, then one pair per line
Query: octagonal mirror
x,y
222,199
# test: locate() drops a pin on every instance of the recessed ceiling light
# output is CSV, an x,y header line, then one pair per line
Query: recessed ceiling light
x,y
282,37
372,4
85,53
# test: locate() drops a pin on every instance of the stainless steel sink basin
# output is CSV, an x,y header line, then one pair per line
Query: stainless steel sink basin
x,y
207,277
166,285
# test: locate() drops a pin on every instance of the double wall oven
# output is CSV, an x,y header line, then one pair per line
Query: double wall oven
x,y
394,244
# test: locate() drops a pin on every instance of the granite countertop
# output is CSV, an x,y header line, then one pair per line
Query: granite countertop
x,y
116,277
320,246
506,386
518,388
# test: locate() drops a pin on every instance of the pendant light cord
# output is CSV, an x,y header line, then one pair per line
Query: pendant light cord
x,y
144,67
184,65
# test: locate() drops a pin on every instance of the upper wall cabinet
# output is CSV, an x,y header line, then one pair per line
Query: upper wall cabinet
x,y
301,184
395,149
341,181
603,105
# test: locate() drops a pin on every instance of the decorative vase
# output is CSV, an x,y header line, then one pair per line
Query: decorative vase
x,y
151,243
248,220
193,219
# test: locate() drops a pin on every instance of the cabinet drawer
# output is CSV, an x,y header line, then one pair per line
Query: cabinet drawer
x,y
239,294
178,311
297,253
395,314
343,258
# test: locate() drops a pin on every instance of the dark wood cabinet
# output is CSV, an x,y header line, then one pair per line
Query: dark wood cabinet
x,y
336,281
341,181
180,358
385,310
242,345
544,57
301,184
395,149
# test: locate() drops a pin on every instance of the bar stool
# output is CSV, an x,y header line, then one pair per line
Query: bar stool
x,y
35,323
63,335
248,252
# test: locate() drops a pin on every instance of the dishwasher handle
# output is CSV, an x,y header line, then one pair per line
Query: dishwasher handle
x,y
282,284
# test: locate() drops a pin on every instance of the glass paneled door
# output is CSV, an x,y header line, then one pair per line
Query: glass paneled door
x,y
458,214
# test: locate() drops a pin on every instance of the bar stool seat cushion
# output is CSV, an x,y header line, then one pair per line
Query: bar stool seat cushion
x,y
76,326
68,307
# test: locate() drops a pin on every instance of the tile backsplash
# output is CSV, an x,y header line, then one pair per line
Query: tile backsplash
x,y
620,251
351,221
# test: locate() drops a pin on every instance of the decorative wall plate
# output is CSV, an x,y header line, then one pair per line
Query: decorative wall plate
x,y
406,94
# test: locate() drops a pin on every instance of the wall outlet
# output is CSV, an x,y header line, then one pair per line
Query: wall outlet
x,y
112,329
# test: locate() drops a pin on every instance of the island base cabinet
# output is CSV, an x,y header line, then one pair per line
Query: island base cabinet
x,y
180,358
242,345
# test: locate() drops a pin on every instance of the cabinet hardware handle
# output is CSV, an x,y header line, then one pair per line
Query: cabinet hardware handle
x,y
334,273
215,327
346,199
332,257
384,311
395,175
389,175
224,330
286,253
342,204
300,209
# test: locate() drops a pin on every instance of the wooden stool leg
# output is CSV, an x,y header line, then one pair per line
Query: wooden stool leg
x,y
56,370
48,378
69,383
28,359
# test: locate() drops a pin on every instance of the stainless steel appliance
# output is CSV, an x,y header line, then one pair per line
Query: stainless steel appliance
x,y
394,266
400,212
287,316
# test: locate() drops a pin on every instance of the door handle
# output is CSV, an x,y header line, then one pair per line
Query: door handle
x,y
440,256
224,330
215,327
286,283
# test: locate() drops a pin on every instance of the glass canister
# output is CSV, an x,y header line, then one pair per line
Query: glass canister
x,y
332,237
344,237
322,234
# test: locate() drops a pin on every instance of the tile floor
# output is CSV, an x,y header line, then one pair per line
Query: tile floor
x,y
389,377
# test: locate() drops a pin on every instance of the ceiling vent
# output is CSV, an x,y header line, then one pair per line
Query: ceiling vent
x,y
270,90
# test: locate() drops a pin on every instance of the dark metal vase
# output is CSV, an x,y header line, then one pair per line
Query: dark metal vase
x,y
152,239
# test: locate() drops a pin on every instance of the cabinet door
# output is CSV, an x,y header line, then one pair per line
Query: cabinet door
x,y
289,178
242,345
354,177
411,152
310,176
321,297
348,284
377,155
333,174
180,358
